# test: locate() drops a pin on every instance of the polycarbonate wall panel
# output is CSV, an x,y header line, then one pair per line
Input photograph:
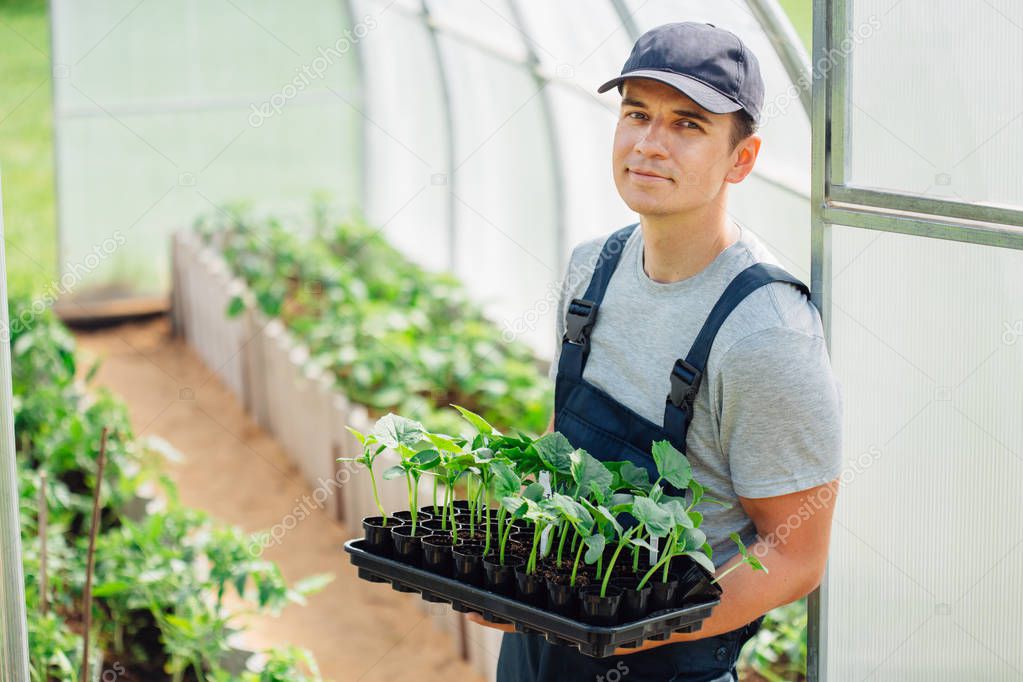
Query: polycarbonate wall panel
x,y
924,576
406,136
935,104
166,110
504,188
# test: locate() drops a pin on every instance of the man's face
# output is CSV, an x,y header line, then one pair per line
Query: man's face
x,y
670,154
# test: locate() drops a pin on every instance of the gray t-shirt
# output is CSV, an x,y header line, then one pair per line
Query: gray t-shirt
x,y
767,417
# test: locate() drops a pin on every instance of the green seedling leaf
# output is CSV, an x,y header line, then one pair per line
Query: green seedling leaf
x,y
594,547
359,436
425,459
506,482
658,521
555,452
641,542
394,431
477,421
694,537
621,502
672,465
678,513
397,471
533,492
589,472
442,442
702,559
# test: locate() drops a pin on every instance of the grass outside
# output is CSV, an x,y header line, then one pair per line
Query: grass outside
x,y
26,146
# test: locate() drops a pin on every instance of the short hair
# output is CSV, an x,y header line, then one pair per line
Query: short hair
x,y
743,126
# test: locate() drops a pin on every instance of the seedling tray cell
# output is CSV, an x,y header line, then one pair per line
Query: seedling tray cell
x,y
592,640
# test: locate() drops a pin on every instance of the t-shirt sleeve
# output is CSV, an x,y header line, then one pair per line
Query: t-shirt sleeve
x,y
559,331
780,413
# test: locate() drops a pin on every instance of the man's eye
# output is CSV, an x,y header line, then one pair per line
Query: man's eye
x,y
634,114
694,126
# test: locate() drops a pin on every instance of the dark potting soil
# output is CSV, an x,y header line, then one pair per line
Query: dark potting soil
x,y
562,577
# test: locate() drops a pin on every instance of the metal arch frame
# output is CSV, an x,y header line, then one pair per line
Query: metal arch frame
x,y
449,122
554,142
918,215
13,628
360,68
834,202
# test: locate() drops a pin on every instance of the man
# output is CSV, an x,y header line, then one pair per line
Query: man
x,y
693,307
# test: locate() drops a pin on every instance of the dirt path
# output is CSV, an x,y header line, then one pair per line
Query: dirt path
x,y
238,473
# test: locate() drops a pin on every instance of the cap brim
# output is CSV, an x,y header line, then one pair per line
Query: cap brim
x,y
701,93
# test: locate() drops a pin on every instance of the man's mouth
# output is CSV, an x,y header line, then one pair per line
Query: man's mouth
x,y
647,174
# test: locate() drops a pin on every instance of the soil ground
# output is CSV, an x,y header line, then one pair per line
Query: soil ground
x,y
238,473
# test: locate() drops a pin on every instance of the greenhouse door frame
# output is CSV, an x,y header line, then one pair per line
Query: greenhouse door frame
x,y
834,202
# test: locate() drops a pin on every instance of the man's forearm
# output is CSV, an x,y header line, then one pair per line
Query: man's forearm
x,y
747,594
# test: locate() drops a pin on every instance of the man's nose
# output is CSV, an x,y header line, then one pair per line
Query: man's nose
x,y
651,142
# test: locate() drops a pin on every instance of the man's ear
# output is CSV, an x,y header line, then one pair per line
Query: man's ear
x,y
743,159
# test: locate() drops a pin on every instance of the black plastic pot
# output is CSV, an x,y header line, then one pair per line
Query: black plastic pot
x,y
428,509
406,516
435,525
378,536
562,599
530,588
521,524
599,610
408,547
467,560
461,505
437,553
500,577
635,602
663,595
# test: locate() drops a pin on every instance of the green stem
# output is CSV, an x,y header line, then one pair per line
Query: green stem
x,y
486,545
411,501
563,529
661,561
531,564
614,557
504,540
376,493
435,495
575,566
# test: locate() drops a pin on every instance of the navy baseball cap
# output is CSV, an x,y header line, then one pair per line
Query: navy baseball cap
x,y
710,65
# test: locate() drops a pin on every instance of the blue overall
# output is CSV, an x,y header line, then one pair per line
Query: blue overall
x,y
591,419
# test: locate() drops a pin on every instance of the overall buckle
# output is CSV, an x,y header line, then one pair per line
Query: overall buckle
x,y
685,382
581,316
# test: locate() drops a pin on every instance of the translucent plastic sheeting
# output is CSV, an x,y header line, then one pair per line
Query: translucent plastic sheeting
x,y
167,110
585,130
504,188
406,133
589,54
937,110
927,342
489,22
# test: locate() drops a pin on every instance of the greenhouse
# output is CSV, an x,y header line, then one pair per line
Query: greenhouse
x,y
511,340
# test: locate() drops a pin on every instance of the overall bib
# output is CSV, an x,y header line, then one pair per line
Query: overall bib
x,y
591,419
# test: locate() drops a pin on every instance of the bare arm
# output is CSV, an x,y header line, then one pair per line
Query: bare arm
x,y
794,552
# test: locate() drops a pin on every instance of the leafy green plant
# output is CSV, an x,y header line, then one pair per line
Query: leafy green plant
x,y
161,576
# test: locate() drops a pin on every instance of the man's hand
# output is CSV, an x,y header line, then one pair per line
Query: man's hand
x,y
477,618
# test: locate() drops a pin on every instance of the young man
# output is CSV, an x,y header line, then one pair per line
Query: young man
x,y
693,307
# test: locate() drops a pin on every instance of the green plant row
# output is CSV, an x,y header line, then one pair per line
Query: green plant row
x,y
160,577
394,336
578,509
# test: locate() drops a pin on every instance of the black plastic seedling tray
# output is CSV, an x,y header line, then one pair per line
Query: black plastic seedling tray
x,y
592,640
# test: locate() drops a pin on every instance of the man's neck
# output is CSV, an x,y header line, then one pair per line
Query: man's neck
x,y
677,248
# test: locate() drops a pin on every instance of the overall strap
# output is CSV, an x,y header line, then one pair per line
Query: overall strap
x,y
582,312
687,373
